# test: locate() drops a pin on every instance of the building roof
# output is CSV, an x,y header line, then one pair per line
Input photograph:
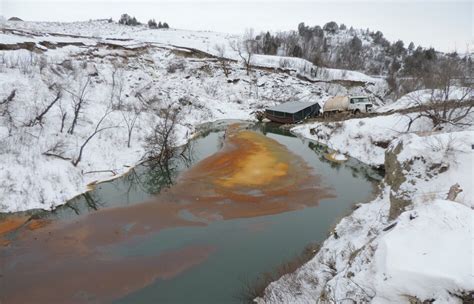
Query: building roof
x,y
291,107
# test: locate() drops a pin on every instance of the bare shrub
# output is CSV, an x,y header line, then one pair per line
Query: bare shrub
x,y
224,63
210,88
27,63
67,64
446,146
43,62
176,65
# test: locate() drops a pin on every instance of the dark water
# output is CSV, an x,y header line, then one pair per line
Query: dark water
x,y
244,248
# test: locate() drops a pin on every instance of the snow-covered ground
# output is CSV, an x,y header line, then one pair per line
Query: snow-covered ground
x,y
364,139
143,73
425,253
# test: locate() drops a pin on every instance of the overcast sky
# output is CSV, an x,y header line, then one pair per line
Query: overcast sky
x,y
445,25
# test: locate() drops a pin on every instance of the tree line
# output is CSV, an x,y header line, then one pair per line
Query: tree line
x,y
364,50
126,19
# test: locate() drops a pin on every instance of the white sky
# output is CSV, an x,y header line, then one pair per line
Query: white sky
x,y
445,25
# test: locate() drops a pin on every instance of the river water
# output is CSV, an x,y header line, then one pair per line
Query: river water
x,y
239,201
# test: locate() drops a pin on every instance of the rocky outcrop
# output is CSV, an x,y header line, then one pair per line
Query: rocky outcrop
x,y
394,177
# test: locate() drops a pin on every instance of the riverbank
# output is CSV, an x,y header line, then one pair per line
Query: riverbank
x,y
384,251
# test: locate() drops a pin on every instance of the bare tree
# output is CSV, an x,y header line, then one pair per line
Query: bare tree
x,y
221,50
130,116
97,130
5,110
78,102
161,143
117,87
63,113
451,100
245,47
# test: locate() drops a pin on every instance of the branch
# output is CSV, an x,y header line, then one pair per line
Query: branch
x,y
100,171
39,118
97,130
56,155
9,98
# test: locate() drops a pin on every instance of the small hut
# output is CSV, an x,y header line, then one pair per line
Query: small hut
x,y
292,112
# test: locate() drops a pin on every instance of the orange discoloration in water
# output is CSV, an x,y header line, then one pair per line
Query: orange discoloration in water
x,y
258,162
36,224
251,176
11,224
97,279
4,242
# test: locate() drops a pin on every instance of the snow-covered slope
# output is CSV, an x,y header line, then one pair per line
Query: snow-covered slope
x,y
205,41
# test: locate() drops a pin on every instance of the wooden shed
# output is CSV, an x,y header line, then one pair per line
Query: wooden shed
x,y
292,112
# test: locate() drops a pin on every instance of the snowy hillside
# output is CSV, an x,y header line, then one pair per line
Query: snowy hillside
x,y
126,81
201,40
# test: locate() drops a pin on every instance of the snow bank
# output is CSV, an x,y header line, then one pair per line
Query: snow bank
x,y
365,139
428,254
426,155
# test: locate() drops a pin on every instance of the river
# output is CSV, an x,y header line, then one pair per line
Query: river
x,y
239,200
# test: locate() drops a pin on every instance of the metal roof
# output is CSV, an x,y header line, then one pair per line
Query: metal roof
x,y
291,107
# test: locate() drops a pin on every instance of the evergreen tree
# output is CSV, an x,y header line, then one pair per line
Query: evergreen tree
x,y
152,24
331,27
